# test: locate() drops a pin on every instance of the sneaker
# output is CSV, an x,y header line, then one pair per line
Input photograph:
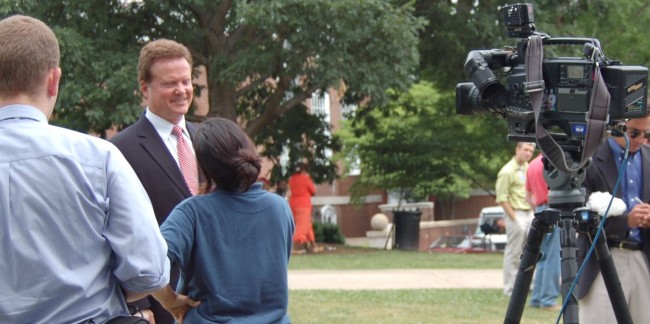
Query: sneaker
x,y
317,249
303,251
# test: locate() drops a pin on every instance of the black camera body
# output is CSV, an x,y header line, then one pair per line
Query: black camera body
x,y
567,83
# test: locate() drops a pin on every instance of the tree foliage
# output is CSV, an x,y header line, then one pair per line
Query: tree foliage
x,y
297,133
285,49
421,145
99,53
265,58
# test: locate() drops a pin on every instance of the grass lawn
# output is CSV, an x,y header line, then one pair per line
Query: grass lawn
x,y
352,258
448,306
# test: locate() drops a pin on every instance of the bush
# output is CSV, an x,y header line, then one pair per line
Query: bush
x,y
328,233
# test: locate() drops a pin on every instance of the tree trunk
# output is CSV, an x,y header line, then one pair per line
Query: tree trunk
x,y
223,101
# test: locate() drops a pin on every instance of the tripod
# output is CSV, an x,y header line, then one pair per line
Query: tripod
x,y
566,200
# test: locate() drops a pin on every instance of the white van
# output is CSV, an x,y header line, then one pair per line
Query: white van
x,y
496,239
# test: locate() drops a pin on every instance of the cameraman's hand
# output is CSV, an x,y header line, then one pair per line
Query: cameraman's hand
x,y
639,216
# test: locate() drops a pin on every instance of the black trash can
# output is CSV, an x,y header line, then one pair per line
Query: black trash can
x,y
407,228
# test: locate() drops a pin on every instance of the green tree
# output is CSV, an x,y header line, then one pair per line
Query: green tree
x,y
262,58
462,152
98,59
298,133
419,144
459,27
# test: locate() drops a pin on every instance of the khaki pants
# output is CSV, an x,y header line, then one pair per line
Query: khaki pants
x,y
517,231
634,274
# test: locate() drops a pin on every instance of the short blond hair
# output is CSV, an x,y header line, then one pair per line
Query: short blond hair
x,y
28,50
160,49
520,144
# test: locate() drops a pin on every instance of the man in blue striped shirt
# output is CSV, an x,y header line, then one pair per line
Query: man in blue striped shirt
x,y
78,236
627,235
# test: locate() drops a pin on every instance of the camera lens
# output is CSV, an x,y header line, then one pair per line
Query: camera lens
x,y
470,102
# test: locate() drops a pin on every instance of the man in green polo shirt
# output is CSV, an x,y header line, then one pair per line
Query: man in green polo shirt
x,y
511,195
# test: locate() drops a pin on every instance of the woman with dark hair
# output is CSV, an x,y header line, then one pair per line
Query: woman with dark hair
x,y
302,189
233,242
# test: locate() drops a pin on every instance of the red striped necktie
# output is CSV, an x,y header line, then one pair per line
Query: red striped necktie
x,y
187,161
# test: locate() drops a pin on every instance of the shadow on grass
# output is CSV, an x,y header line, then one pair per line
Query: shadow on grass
x,y
344,257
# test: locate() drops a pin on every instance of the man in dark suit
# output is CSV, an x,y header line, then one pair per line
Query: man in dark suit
x,y
628,235
158,146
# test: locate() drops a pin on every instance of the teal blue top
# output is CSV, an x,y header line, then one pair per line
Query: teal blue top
x,y
233,250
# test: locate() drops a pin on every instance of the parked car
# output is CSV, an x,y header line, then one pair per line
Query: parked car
x,y
490,232
455,244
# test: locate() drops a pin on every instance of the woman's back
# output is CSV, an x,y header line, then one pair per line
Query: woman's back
x,y
233,250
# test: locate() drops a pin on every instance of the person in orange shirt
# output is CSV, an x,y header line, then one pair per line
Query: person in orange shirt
x,y
302,189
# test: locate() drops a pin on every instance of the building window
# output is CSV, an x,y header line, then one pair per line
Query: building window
x,y
320,105
348,110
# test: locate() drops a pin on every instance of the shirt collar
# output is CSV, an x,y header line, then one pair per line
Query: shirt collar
x,y
617,150
22,111
162,126
516,163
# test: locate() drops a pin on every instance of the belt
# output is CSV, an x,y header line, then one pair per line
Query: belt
x,y
626,245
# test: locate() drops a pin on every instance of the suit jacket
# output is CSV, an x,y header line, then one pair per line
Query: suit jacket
x,y
602,176
161,178
154,165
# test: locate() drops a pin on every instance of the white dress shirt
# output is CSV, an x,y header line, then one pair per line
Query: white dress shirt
x,y
164,130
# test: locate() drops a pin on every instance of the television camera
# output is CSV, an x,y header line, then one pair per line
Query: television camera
x,y
565,105
567,85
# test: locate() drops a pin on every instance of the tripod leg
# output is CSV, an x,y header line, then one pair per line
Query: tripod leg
x,y
525,272
569,268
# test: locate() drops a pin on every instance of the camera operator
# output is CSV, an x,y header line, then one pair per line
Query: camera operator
x,y
627,235
511,195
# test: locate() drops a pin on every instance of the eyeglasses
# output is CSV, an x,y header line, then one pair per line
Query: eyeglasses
x,y
634,133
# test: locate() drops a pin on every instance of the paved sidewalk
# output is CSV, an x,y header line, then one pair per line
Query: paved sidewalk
x,y
395,279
